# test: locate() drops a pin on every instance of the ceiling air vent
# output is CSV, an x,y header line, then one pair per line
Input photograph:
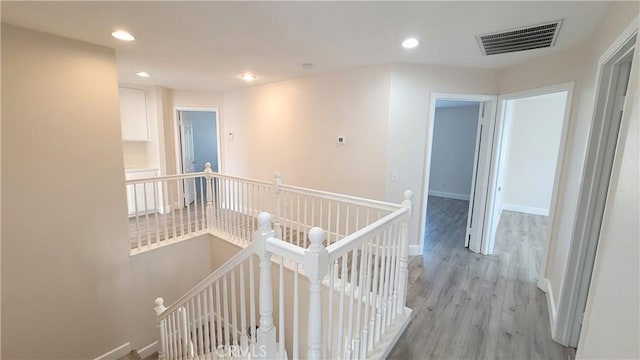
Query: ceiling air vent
x,y
520,39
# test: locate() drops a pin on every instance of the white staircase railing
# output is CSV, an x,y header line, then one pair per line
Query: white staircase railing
x,y
355,303
168,209
177,207
205,320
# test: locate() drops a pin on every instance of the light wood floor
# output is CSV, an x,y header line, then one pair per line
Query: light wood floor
x,y
471,306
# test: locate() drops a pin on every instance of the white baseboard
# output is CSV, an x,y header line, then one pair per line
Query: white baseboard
x,y
449,195
116,353
148,350
545,286
414,250
526,209
382,348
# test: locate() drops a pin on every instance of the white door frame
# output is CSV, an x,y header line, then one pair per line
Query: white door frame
x,y
494,181
583,248
177,138
428,150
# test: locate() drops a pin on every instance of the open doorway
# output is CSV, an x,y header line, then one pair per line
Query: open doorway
x,y
530,140
197,143
453,153
459,143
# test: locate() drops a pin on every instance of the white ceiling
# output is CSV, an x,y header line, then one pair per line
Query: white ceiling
x,y
206,45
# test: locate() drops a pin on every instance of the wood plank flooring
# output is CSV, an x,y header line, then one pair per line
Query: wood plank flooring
x,y
471,306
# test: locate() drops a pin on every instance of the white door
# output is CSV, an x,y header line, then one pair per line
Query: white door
x,y
188,157
480,179
501,138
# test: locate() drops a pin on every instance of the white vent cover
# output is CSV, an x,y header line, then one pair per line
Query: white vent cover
x,y
520,39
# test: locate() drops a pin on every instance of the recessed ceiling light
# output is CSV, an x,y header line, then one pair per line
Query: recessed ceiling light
x,y
142,74
410,43
248,77
122,35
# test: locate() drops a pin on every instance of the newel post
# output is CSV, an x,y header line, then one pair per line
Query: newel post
x,y
404,253
159,308
266,335
208,173
277,183
315,267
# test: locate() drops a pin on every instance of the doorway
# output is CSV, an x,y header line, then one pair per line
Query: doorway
x,y
529,146
453,155
459,147
615,68
198,143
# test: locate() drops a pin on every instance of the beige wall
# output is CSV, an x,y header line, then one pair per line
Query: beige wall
x,y
57,122
292,127
578,65
70,288
168,272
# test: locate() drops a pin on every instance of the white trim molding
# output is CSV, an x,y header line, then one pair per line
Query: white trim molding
x,y
116,353
545,285
177,133
526,209
449,195
148,350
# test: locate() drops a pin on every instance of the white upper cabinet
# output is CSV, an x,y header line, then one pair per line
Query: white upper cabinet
x,y
133,114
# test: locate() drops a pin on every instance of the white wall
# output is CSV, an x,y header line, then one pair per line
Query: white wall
x,y
611,329
453,150
579,65
411,89
192,98
292,127
534,129
71,291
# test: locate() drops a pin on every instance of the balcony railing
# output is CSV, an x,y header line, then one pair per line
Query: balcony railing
x,y
296,290
168,209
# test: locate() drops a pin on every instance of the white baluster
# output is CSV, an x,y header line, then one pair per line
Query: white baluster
x,y
315,268
243,311
159,308
277,182
266,332
404,253
184,332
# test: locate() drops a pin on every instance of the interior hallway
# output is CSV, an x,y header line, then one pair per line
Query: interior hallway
x,y
471,306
